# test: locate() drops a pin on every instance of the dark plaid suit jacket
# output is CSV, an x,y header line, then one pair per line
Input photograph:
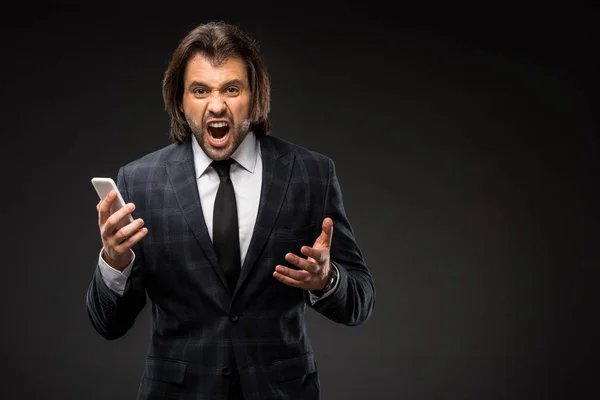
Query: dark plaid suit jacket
x,y
198,327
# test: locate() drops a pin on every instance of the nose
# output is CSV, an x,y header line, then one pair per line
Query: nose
x,y
216,104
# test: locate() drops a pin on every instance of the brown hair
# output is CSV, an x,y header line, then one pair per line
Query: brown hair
x,y
217,41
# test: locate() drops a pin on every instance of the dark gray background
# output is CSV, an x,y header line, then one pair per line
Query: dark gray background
x,y
467,151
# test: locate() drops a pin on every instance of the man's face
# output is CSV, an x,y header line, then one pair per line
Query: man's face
x,y
216,104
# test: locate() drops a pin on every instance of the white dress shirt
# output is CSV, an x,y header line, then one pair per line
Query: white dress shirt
x,y
246,177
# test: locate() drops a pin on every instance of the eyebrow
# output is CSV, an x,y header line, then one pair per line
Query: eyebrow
x,y
228,83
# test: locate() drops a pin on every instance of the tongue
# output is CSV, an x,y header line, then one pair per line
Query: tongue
x,y
218,133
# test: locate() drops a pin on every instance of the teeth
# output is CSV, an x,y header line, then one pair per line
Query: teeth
x,y
219,140
217,124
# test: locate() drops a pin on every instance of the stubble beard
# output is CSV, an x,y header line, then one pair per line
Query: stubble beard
x,y
238,133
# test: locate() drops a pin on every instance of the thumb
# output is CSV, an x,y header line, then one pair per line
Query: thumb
x,y
328,231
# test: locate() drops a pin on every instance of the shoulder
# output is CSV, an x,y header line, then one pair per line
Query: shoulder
x,y
301,153
158,158
313,166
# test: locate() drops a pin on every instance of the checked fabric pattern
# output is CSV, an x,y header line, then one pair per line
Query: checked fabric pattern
x,y
199,329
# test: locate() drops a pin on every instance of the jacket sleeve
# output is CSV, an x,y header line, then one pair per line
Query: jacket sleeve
x,y
111,314
352,301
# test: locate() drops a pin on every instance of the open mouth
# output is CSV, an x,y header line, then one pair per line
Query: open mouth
x,y
218,131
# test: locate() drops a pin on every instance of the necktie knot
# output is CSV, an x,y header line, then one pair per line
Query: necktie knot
x,y
222,167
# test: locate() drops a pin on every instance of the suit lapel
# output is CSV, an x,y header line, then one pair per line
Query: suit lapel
x,y
277,169
183,180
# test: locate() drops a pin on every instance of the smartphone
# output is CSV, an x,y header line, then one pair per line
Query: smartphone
x,y
103,186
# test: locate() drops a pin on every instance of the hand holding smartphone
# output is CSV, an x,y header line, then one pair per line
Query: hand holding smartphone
x,y
103,187
117,236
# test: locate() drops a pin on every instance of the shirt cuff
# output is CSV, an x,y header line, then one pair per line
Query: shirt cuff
x,y
114,279
314,298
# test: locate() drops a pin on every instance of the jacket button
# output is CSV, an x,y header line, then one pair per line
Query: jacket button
x,y
226,371
234,317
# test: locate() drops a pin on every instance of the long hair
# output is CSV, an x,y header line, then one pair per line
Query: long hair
x,y
217,41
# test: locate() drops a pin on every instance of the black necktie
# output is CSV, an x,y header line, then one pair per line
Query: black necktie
x,y
225,225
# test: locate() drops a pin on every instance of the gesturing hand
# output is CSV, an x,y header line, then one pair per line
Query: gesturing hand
x,y
315,269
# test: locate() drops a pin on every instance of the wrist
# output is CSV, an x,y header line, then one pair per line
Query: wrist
x,y
330,281
118,264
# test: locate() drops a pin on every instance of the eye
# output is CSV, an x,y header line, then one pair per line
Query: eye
x,y
232,90
199,91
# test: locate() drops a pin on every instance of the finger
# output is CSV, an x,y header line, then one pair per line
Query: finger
x,y
131,240
98,205
104,211
324,239
301,276
128,230
327,230
302,263
112,221
288,281
319,255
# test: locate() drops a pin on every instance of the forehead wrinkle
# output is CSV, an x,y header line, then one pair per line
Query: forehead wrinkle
x,y
199,68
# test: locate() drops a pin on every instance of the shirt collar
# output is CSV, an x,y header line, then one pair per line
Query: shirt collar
x,y
245,155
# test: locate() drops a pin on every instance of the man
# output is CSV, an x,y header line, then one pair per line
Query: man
x,y
237,232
